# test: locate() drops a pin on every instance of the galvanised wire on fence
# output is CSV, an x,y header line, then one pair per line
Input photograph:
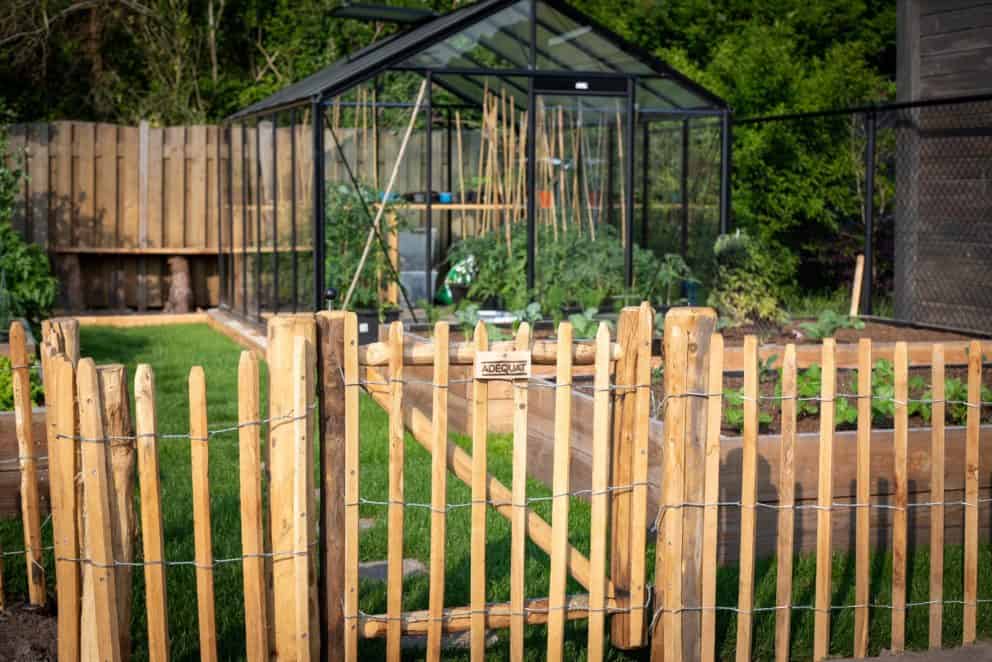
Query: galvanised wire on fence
x,y
658,409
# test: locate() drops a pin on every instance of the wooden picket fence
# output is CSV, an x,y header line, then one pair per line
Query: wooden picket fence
x,y
301,589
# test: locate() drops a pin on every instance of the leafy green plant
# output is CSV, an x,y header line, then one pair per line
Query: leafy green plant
x,y
29,287
531,314
733,410
585,324
743,291
828,323
672,272
571,269
7,386
345,234
466,317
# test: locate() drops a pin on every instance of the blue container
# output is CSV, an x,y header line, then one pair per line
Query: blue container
x,y
446,198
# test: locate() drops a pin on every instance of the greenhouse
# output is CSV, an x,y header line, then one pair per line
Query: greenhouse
x,y
519,132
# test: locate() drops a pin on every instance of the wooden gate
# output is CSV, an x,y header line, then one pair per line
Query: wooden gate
x,y
621,414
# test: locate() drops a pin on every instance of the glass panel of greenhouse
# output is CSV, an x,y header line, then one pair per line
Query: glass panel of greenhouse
x,y
505,153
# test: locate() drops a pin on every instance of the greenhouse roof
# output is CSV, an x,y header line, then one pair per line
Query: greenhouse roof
x,y
495,43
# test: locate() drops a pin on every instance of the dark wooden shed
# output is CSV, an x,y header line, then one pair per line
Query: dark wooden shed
x,y
943,214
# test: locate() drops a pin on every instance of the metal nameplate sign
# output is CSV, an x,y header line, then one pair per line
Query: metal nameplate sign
x,y
502,365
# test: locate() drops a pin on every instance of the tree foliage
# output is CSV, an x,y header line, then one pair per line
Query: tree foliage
x,y
798,187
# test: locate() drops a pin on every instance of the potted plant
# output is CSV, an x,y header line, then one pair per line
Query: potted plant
x,y
348,222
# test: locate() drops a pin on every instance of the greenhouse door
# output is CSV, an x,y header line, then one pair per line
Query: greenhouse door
x,y
582,182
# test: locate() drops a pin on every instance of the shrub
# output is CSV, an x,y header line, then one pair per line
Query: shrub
x,y
29,286
743,290
7,386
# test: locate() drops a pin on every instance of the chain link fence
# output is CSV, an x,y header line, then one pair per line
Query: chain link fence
x,y
927,234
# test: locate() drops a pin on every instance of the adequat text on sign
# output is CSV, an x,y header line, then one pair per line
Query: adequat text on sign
x,y
502,365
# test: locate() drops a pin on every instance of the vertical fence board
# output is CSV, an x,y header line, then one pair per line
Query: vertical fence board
x,y
639,473
146,430
351,485
62,480
749,461
560,493
83,185
105,172
62,217
174,187
38,181
394,561
786,500
202,536
862,540
621,467
121,457
600,479
667,643
127,193
27,452
282,330
303,379
937,497
901,497
156,214
821,621
711,494
196,180
480,430
105,637
439,489
518,540
252,525
330,339
972,465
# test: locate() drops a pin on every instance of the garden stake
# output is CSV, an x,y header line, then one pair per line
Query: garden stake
x,y
385,196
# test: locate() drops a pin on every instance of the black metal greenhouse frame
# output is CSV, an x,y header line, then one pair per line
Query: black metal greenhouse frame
x,y
319,91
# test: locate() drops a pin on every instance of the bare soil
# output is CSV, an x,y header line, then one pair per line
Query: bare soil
x,y
27,634
877,331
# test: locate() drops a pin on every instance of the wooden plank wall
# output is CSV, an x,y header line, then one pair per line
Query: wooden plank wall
x,y
944,168
112,204
121,200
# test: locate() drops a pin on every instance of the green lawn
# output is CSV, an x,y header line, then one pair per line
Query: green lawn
x,y
172,350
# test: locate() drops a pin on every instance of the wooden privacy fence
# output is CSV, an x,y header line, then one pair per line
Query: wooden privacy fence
x,y
301,589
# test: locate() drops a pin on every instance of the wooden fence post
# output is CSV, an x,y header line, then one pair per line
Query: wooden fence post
x,y
152,536
825,496
439,492
395,511
121,461
199,439
282,331
624,405
303,501
30,501
330,380
688,332
103,635
252,513
351,486
60,398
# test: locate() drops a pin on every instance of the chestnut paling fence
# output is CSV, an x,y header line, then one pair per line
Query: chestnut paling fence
x,y
301,589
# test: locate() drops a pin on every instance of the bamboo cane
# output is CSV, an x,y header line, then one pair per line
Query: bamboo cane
x,y
461,169
376,224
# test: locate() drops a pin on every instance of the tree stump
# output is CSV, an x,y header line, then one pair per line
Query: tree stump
x,y
180,290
